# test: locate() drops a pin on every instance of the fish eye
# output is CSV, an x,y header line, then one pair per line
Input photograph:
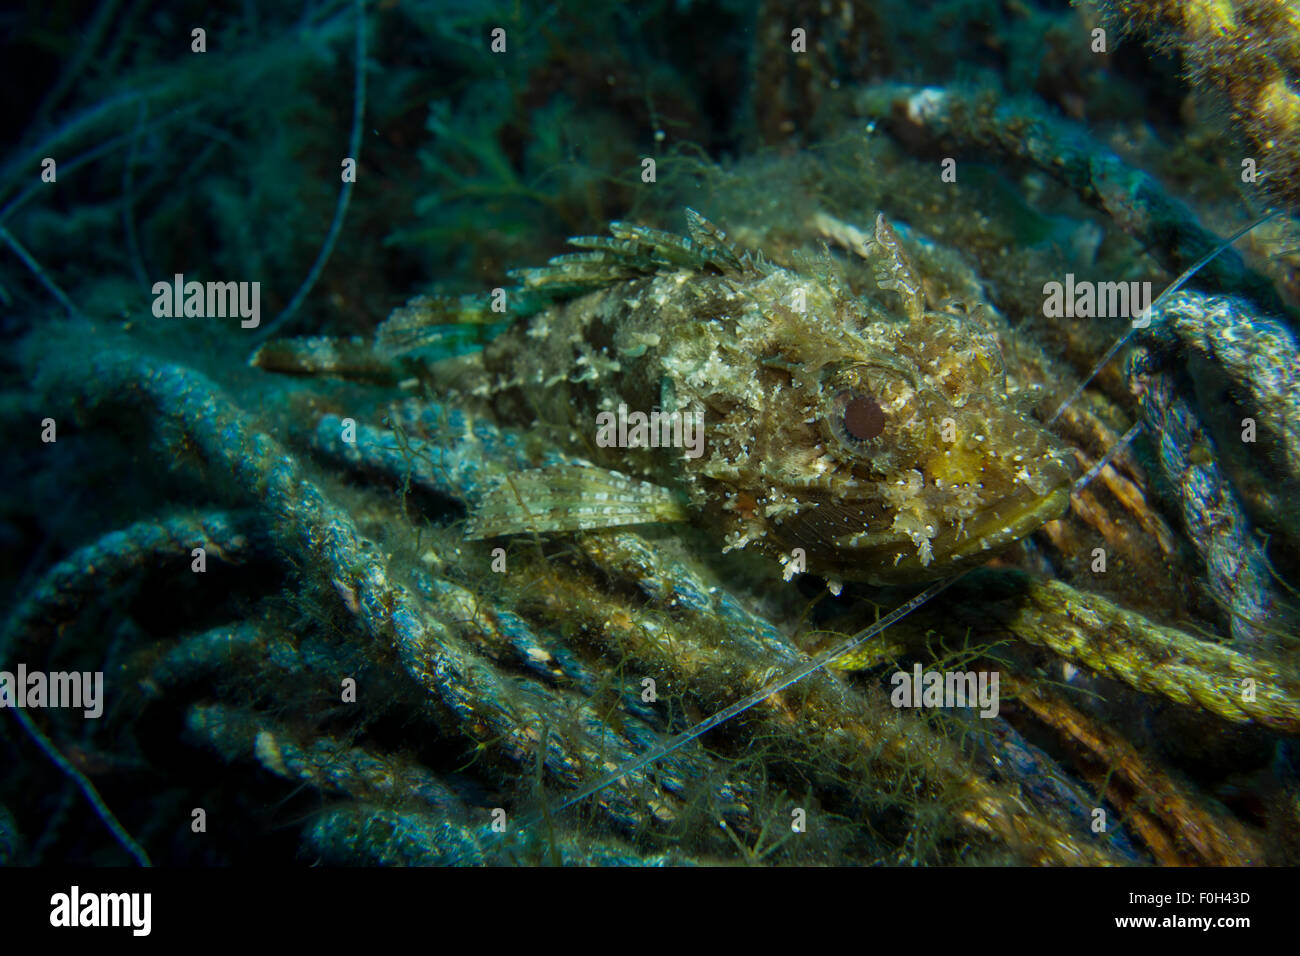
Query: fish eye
x,y
855,417
866,408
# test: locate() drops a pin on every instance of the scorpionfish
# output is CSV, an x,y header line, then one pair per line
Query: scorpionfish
x,y
839,437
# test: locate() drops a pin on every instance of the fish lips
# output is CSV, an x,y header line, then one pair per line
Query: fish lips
x,y
959,547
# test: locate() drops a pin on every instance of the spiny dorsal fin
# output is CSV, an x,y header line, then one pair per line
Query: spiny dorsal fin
x,y
713,242
631,250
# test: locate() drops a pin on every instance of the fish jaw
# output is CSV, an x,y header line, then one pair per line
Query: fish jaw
x,y
894,557
956,549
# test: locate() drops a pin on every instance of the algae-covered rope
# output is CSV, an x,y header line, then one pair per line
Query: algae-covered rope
x,y
1153,658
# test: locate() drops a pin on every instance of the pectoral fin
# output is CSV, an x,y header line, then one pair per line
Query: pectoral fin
x,y
570,498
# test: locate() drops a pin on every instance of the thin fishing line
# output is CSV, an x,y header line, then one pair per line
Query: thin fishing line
x,y
740,706
1105,460
1149,311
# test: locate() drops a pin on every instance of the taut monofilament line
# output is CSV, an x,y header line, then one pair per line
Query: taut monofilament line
x,y
1144,320
753,700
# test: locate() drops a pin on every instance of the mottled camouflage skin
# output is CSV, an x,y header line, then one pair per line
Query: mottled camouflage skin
x,y
795,376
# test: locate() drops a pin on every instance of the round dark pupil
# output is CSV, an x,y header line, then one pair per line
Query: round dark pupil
x,y
863,418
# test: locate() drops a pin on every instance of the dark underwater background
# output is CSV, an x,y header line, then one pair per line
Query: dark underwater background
x,y
225,691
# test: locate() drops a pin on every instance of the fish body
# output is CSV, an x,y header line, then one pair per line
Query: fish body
x,y
838,438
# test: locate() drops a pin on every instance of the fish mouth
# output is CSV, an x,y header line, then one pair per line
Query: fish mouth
x,y
1009,521
995,528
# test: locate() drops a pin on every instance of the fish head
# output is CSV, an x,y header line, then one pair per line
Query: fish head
x,y
887,450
